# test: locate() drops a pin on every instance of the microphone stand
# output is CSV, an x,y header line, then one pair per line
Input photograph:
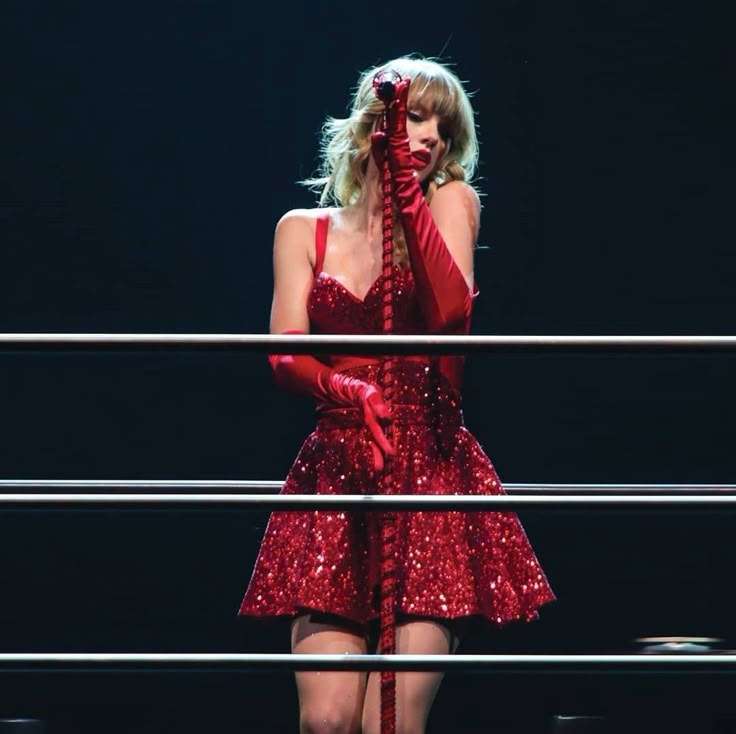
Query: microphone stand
x,y
387,638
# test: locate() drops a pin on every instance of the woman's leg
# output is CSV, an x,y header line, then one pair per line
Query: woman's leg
x,y
330,702
415,692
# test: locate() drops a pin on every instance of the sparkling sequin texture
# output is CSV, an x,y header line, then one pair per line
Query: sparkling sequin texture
x,y
450,564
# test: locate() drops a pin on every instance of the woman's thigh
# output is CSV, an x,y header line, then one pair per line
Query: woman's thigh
x,y
329,701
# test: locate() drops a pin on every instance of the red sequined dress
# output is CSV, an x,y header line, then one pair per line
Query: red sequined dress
x,y
451,564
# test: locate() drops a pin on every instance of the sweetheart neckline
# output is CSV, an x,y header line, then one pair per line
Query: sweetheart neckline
x,y
326,276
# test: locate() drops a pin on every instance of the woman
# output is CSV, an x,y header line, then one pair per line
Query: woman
x,y
322,568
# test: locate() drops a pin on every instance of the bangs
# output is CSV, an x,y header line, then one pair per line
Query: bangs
x,y
439,95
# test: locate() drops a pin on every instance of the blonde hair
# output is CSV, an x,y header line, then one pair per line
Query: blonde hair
x,y
346,143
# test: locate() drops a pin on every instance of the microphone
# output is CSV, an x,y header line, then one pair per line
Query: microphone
x,y
384,85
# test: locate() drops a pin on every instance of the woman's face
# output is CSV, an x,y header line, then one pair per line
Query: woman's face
x,y
428,140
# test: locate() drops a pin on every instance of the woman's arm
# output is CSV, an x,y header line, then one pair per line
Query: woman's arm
x,y
292,272
303,373
455,208
441,240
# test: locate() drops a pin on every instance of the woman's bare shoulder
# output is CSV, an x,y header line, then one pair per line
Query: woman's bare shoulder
x,y
294,236
458,192
301,217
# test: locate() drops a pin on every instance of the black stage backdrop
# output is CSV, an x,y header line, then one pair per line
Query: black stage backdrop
x,y
148,149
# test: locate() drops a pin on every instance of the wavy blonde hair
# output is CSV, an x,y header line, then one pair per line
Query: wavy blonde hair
x,y
346,142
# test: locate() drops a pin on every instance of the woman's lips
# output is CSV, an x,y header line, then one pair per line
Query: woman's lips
x,y
421,158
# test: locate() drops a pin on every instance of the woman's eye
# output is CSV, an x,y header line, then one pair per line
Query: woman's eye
x,y
414,116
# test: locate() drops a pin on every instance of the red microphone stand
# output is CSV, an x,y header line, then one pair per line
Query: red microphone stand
x,y
387,637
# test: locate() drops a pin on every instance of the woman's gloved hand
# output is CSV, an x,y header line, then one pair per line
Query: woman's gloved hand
x,y
304,374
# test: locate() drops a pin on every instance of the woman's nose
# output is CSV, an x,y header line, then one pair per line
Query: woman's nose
x,y
430,133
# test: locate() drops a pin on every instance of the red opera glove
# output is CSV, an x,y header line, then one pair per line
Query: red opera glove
x,y
302,373
442,290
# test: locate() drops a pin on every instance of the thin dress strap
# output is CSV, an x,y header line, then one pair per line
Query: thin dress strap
x,y
320,240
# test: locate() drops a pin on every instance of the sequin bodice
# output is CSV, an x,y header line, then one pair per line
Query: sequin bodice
x,y
333,309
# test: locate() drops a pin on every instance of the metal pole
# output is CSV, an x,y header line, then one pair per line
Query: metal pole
x,y
376,502
286,661
362,344
250,486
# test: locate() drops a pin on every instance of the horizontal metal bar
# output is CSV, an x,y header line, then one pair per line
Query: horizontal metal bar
x,y
360,344
286,661
160,485
248,486
307,502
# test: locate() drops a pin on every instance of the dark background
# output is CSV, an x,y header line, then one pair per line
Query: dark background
x,y
148,150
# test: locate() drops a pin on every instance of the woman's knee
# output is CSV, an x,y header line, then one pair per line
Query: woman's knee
x,y
328,717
